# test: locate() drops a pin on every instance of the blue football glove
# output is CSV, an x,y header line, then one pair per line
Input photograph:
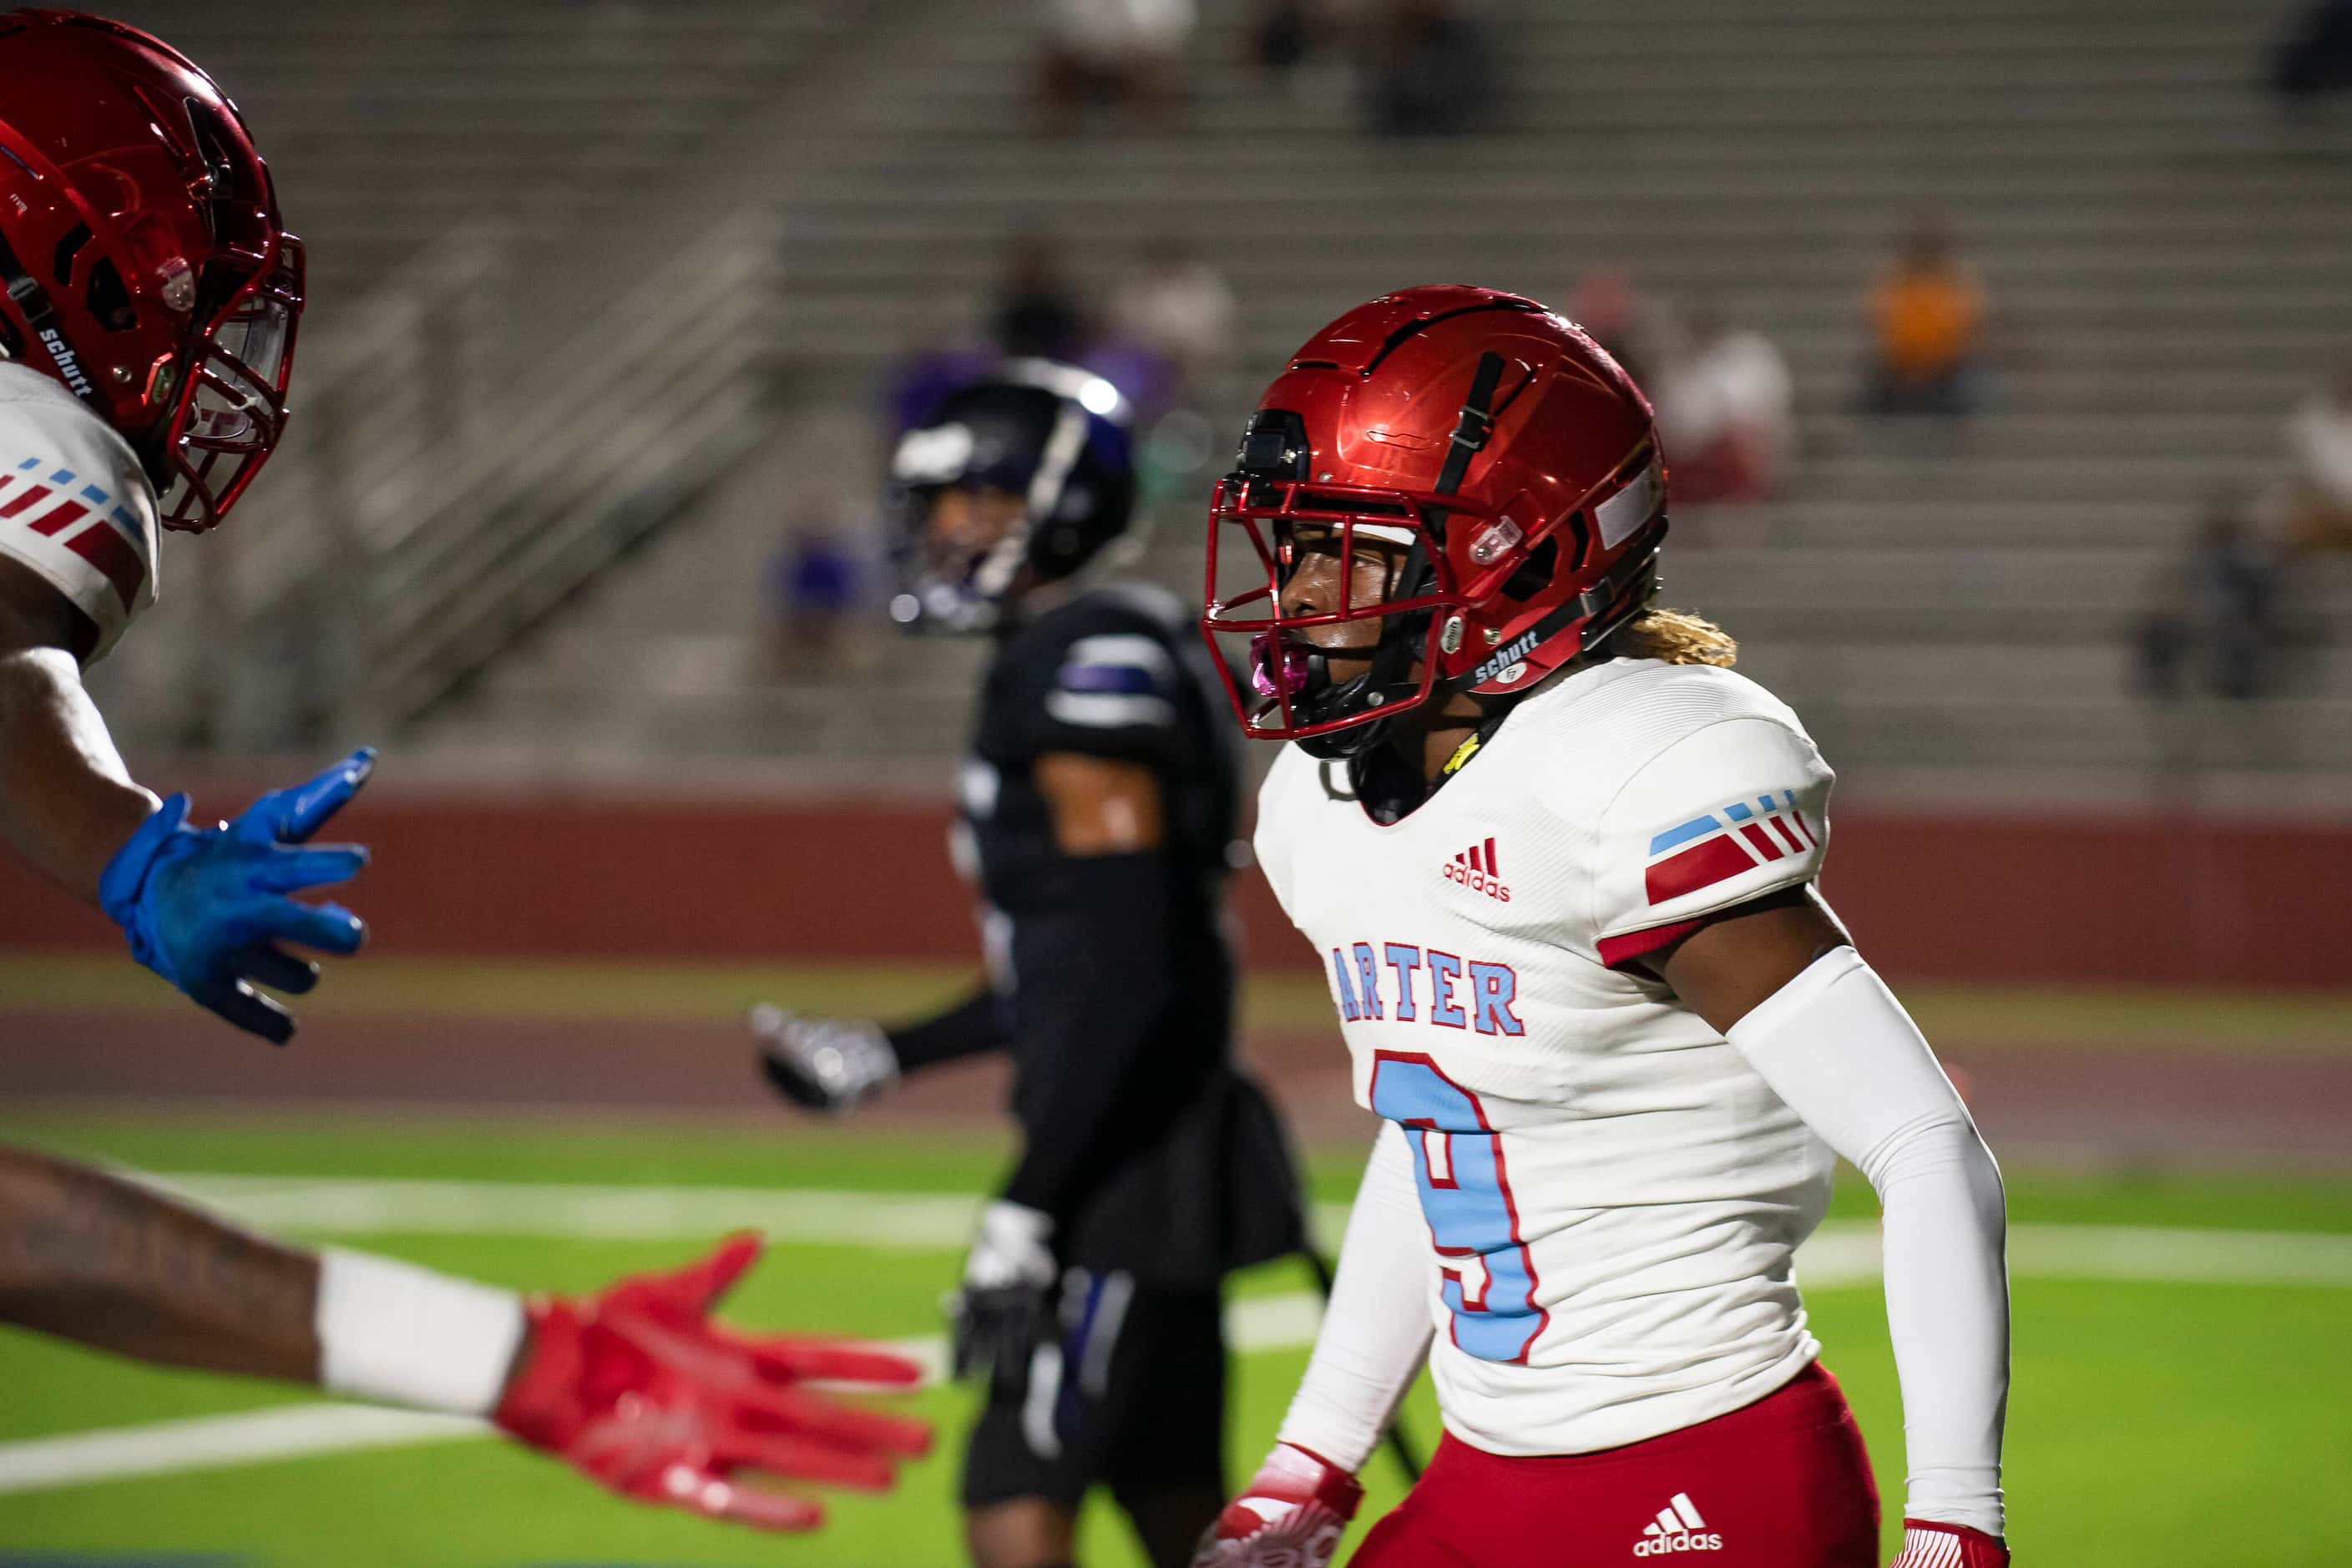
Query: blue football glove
x,y
206,908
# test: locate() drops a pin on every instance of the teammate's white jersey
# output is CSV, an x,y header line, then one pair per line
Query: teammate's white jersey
x,y
75,506
1613,1195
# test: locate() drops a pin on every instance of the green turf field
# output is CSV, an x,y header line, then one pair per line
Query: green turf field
x,y
2179,1420
1987,1015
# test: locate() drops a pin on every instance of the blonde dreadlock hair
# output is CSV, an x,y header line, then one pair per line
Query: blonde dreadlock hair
x,y
1677,636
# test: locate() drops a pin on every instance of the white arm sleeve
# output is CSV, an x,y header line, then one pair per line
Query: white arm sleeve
x,y
1376,1331
1840,1050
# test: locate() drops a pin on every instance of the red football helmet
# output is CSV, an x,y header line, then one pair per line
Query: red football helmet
x,y
1508,457
142,253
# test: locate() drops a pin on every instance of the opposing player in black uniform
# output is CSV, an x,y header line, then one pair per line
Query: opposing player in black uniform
x,y
1098,821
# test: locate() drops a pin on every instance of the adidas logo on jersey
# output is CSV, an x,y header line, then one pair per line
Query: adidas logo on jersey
x,y
1475,870
1677,1528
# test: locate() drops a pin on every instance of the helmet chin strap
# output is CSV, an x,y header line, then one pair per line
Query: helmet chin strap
x,y
1356,738
33,303
1055,463
991,579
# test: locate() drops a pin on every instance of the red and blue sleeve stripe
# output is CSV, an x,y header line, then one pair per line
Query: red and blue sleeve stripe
x,y
102,533
1720,846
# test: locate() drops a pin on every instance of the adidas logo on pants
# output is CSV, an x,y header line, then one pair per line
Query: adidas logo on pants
x,y
1678,1527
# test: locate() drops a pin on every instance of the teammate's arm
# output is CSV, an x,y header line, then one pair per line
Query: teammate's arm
x,y
973,1026
95,1259
1781,981
1094,1020
635,1386
835,1065
1092,952
205,908
1101,805
67,802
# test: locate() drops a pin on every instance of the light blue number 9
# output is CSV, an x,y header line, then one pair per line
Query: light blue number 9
x,y
1490,1281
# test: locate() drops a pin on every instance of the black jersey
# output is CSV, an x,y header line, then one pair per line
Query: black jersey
x,y
1114,974
1118,673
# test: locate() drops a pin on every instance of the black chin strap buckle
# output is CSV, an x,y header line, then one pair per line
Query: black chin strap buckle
x,y
1475,424
1470,434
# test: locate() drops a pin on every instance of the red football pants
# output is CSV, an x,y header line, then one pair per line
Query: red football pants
x,y
1781,1483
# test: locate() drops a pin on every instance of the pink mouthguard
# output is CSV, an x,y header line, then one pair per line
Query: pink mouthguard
x,y
1273,660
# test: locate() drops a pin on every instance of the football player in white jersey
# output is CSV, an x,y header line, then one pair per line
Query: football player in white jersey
x,y
1559,862
148,300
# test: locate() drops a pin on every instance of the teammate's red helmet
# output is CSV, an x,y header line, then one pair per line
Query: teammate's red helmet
x,y
1507,454
141,251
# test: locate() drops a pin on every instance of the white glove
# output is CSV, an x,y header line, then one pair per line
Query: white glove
x,y
1006,1309
1011,1248
833,1065
1292,1515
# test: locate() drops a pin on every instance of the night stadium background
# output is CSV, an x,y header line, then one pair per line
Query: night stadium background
x,y
613,308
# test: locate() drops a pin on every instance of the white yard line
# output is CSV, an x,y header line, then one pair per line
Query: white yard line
x,y
1843,1251
212,1442
1841,1255
299,1431
2179,1256
921,1222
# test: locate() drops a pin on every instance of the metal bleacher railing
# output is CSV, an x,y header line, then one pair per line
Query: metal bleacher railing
x,y
455,499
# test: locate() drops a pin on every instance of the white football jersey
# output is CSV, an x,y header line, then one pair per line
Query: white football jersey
x,y
1614,1198
75,506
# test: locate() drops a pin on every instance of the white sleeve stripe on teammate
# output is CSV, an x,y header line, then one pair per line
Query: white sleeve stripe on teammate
x,y
1132,649
1114,681
1108,710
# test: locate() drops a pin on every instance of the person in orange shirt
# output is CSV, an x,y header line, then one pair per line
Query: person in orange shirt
x,y
1928,313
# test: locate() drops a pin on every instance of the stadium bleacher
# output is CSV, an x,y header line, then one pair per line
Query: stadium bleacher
x,y
2172,249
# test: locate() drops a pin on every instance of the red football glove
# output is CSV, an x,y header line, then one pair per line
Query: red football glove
x,y
1292,1516
639,1388
1929,1544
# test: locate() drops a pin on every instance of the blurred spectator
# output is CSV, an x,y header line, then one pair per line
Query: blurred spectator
x,y
2319,507
1605,301
1037,314
1148,380
1307,45
814,583
1927,314
1727,413
1129,54
1178,307
2318,58
2212,623
1431,69
1282,35
934,363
